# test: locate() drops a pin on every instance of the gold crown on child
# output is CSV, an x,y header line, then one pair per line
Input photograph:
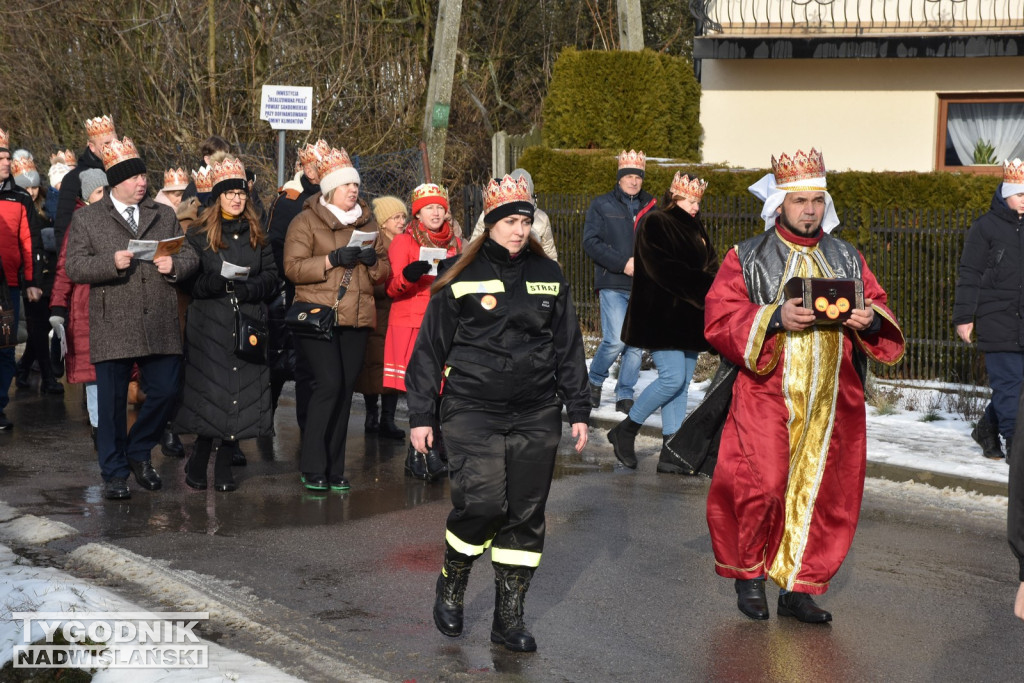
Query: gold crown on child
x,y
1013,172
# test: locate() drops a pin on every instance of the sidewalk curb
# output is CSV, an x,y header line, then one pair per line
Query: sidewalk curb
x,y
878,470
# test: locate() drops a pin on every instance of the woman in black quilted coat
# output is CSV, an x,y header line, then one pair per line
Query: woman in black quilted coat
x,y
225,397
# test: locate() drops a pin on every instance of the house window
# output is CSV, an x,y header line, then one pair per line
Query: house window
x,y
976,133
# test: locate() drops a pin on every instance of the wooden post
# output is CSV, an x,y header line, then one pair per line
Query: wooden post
x,y
631,27
439,88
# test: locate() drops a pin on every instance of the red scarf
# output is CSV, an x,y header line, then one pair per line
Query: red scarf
x,y
444,238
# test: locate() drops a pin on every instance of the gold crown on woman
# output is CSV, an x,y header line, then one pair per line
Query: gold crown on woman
x,y
5,140
64,156
798,167
429,190
175,179
685,186
117,151
632,159
507,190
332,160
1013,172
311,153
229,168
101,125
22,165
203,179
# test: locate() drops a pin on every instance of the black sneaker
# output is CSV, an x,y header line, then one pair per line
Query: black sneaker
x,y
5,424
314,482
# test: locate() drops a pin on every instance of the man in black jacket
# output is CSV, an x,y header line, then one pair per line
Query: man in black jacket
x,y
990,294
608,240
101,132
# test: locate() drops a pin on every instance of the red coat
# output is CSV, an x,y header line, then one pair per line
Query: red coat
x,y
75,299
410,298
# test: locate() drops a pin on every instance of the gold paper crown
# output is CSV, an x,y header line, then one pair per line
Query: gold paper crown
x,y
427,190
311,153
22,165
175,179
65,156
5,141
332,160
632,159
230,168
685,186
1013,172
203,179
101,125
508,190
800,167
117,151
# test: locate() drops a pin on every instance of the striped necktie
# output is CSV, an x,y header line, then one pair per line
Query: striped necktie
x,y
130,217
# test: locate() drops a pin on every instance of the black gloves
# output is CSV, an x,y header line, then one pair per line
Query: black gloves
x,y
415,270
368,256
241,291
344,256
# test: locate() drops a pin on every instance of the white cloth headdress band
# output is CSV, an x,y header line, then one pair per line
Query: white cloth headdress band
x,y
772,195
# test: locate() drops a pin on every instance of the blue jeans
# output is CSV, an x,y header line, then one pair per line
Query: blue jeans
x,y
7,365
668,391
613,312
1005,373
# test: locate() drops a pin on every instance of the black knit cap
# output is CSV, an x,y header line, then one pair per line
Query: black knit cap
x,y
227,185
120,172
509,209
625,171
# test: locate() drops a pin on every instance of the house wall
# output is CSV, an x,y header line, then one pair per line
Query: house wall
x,y
863,114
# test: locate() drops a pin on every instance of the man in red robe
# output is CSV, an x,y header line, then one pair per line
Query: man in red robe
x,y
786,493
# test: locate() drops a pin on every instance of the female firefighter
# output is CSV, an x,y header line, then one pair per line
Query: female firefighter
x,y
501,331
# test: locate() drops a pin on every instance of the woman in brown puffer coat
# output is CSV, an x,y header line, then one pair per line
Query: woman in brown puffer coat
x,y
318,261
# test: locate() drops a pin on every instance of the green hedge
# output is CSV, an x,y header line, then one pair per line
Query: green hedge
x,y
623,100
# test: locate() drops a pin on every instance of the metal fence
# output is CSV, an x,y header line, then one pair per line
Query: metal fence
x,y
913,254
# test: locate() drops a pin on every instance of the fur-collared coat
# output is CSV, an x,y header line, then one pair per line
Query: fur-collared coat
x,y
673,268
134,312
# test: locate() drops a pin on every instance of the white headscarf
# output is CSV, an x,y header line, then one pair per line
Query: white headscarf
x,y
772,194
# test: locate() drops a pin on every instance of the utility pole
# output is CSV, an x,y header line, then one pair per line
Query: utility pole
x,y
439,88
631,27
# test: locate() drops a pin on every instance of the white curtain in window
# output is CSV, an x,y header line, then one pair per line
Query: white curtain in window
x,y
1000,124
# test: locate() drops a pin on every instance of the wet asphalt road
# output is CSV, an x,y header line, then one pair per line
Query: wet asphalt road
x,y
626,589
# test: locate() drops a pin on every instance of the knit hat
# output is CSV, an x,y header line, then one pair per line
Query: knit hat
x,y
1013,177
91,179
336,169
427,194
386,207
631,163
121,161
507,197
56,173
518,173
23,169
228,174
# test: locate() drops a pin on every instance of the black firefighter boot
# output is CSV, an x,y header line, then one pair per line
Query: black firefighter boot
x,y
623,436
508,628
451,591
987,435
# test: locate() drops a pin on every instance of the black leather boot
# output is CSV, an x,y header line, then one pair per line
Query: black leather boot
x,y
508,628
21,376
623,436
371,425
450,592
388,428
437,467
222,479
986,434
197,463
669,462
416,464
170,444
803,607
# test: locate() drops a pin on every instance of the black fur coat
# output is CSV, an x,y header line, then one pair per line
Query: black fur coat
x,y
674,265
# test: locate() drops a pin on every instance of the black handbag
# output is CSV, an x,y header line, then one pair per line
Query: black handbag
x,y
251,337
316,321
8,332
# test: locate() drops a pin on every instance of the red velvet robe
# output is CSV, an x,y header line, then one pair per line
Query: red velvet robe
x,y
786,493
